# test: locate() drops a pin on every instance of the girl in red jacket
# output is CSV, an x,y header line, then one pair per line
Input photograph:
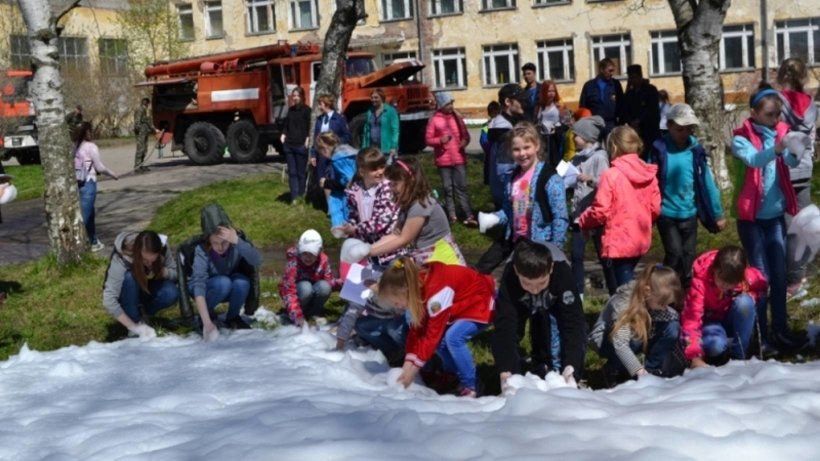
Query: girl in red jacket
x,y
628,200
448,306
719,312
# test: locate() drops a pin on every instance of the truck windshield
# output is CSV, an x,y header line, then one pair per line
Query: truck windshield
x,y
357,67
13,88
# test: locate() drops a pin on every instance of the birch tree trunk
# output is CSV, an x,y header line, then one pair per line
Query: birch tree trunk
x,y
700,25
66,234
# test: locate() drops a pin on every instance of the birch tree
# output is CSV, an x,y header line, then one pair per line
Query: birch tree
x,y
152,30
66,233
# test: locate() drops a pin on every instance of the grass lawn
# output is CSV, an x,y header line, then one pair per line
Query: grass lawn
x,y
28,179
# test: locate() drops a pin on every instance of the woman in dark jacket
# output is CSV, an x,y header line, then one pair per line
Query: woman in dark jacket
x,y
295,142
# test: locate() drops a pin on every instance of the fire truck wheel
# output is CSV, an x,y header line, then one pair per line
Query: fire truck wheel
x,y
204,143
243,142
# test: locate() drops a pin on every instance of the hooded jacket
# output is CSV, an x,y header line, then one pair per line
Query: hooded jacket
x,y
705,302
592,161
627,202
450,153
120,263
800,113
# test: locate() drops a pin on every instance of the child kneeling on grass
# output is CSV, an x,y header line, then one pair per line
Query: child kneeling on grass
x,y
640,318
308,279
719,312
448,306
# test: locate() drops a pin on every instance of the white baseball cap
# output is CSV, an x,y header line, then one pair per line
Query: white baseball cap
x,y
682,115
310,242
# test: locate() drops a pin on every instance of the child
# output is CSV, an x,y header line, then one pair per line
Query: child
x,y
307,280
448,136
800,112
720,305
569,137
493,109
688,191
640,318
448,305
342,168
591,160
627,202
766,195
141,272
216,276
534,205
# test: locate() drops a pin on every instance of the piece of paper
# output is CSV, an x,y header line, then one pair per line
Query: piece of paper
x,y
358,284
568,171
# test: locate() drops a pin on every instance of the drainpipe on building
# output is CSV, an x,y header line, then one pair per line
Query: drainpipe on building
x,y
764,42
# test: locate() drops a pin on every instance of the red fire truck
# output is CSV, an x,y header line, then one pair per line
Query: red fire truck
x,y
239,99
18,133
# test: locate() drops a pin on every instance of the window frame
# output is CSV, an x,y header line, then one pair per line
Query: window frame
x,y
73,61
663,37
486,6
599,44
115,63
186,10
22,58
747,36
314,15
432,13
782,31
545,3
387,7
439,56
390,58
212,6
252,18
487,54
542,50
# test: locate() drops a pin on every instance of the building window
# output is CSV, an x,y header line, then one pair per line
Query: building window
x,y
500,64
213,20
798,38
303,14
73,53
259,16
665,54
615,47
390,58
551,2
737,49
186,21
20,52
497,4
113,55
556,60
393,10
445,7
450,67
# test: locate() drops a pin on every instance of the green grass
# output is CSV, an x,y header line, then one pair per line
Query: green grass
x,y
28,179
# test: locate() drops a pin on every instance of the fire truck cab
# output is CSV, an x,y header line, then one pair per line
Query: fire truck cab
x,y
18,132
239,99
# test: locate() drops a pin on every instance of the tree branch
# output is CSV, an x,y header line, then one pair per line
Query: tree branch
x,y
60,13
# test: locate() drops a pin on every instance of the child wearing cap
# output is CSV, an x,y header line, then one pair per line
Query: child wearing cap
x,y
307,280
688,190
448,136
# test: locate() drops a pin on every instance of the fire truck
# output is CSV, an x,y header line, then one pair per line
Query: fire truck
x,y
18,132
239,99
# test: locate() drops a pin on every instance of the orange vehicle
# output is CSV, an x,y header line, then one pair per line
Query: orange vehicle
x,y
239,99
18,132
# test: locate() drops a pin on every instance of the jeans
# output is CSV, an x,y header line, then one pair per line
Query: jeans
x,y
624,269
297,158
161,294
312,297
738,323
765,243
386,335
454,182
577,252
454,353
662,339
232,288
796,264
88,195
680,239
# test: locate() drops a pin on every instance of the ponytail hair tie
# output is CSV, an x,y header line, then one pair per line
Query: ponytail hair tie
x,y
398,264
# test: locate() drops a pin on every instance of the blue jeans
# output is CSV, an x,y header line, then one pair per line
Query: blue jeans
x,y
312,297
297,159
454,353
88,195
386,335
233,288
624,269
662,340
765,243
739,324
161,294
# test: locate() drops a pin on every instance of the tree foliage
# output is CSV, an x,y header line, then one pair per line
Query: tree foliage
x,y
152,30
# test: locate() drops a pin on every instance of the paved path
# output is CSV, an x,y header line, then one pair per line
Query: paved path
x,y
129,203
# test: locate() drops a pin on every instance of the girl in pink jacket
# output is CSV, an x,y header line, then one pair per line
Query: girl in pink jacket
x,y
448,137
628,200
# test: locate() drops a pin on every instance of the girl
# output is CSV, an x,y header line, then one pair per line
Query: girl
x,y
766,195
548,116
591,160
87,164
381,126
216,275
628,200
328,120
141,272
342,168
688,190
294,141
534,205
720,305
448,305
640,317
307,280
448,136
422,224
800,112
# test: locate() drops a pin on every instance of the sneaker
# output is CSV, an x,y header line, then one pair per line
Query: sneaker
x,y
96,247
467,392
237,323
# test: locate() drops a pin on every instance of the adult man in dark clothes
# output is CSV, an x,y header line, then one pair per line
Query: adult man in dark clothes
x,y
640,106
537,285
531,88
511,97
602,95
